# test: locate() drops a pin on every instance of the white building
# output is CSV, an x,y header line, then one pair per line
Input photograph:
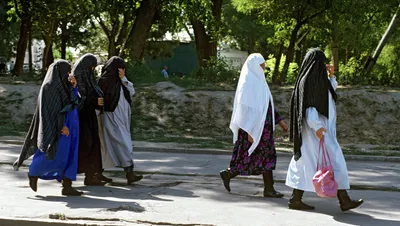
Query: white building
x,y
235,58
37,53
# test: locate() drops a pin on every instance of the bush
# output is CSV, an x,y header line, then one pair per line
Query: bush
x,y
293,72
141,74
350,73
217,70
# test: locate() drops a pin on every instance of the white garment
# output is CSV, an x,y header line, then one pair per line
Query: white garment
x,y
252,99
115,132
301,172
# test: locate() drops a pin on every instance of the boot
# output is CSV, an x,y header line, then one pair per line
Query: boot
x,y
296,203
91,179
226,177
33,182
345,202
131,177
269,190
103,178
68,190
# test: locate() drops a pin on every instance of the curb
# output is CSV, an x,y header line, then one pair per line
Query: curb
x,y
203,151
13,221
279,153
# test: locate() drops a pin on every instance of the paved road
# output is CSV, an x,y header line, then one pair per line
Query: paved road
x,y
179,197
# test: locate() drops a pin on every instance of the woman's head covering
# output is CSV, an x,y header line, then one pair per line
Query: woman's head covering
x,y
311,90
110,83
252,100
83,71
54,97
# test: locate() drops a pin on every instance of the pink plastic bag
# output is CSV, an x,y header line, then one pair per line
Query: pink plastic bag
x,y
324,180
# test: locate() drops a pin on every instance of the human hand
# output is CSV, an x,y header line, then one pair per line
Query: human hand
x,y
121,72
284,126
100,101
320,133
330,68
250,139
65,131
72,80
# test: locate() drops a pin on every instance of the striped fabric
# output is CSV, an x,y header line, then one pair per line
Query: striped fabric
x,y
54,98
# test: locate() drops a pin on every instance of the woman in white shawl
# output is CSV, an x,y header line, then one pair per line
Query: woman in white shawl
x,y
253,123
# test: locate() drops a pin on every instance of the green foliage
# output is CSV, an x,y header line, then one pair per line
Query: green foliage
x,y
217,70
351,73
141,75
292,73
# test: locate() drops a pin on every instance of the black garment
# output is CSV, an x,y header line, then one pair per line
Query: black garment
x,y
89,158
54,101
311,90
111,84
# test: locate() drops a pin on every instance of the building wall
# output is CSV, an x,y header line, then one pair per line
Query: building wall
x,y
233,57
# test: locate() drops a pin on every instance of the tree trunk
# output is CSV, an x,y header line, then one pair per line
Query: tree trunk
x,y
348,53
22,44
335,56
111,47
64,39
335,43
202,43
30,51
48,57
278,57
138,35
206,44
290,53
389,31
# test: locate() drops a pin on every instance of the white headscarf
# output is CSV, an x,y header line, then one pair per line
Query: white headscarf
x,y
252,99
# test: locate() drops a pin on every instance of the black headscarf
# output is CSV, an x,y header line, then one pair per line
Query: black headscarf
x,y
311,90
110,83
54,101
84,74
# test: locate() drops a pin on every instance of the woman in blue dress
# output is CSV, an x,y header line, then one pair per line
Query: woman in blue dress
x,y
53,136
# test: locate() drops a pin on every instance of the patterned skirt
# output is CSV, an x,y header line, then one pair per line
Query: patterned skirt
x,y
264,156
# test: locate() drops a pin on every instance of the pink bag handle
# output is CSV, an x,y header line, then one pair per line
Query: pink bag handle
x,y
324,152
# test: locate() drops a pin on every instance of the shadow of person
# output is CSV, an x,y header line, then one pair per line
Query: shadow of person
x,y
75,202
361,219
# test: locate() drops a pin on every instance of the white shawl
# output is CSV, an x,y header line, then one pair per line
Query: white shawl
x,y
251,103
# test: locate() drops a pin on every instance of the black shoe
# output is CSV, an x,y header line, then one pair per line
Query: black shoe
x,y
273,194
226,178
70,191
93,181
105,179
295,202
131,177
299,205
346,203
33,182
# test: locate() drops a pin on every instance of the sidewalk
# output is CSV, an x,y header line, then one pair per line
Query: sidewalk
x,y
185,189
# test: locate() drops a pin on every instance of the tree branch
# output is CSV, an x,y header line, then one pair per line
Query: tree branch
x,y
17,10
312,16
103,25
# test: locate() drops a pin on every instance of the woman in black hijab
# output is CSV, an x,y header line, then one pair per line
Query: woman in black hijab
x,y
92,98
313,117
53,136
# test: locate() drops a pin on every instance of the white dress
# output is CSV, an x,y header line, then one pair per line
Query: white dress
x,y
115,133
301,172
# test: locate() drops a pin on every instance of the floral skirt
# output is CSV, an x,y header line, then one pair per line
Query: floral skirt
x,y
261,160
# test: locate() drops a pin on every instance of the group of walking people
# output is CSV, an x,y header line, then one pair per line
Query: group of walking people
x,y
312,118
80,125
